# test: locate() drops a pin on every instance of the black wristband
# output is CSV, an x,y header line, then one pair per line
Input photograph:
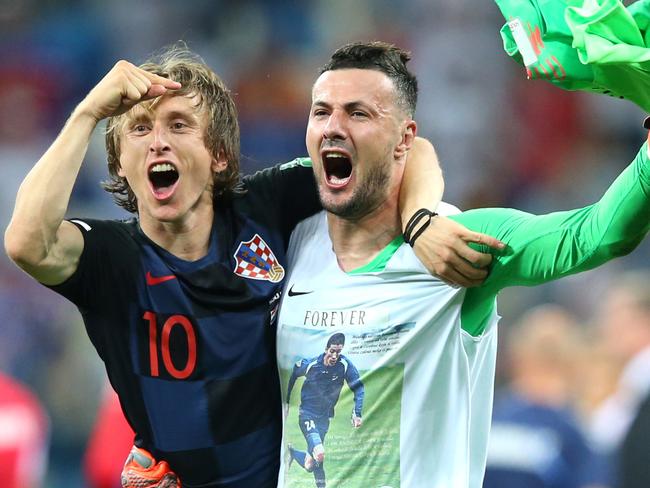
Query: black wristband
x,y
414,221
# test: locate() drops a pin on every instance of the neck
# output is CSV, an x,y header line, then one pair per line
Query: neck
x,y
357,242
187,238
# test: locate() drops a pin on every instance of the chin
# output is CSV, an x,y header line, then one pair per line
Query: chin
x,y
348,209
334,202
165,214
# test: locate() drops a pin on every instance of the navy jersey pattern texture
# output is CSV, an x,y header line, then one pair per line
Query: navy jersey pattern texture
x,y
190,346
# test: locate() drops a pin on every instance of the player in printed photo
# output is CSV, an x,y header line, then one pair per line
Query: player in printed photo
x,y
324,376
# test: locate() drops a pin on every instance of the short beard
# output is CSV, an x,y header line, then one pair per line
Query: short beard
x,y
368,196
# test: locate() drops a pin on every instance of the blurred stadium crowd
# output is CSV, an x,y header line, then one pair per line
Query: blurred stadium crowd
x,y
502,140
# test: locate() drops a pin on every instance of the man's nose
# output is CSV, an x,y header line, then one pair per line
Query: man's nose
x,y
159,140
335,127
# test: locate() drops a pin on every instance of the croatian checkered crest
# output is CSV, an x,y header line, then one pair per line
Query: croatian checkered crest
x,y
255,260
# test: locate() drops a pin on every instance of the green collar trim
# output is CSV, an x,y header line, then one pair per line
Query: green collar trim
x,y
381,260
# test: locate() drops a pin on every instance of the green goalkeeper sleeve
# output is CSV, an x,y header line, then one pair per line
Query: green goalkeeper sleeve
x,y
592,45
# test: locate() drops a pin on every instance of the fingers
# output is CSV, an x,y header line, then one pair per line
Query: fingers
x,y
154,91
160,80
156,85
451,227
142,85
464,236
485,239
444,249
469,271
134,73
477,259
463,259
459,272
452,277
134,88
124,86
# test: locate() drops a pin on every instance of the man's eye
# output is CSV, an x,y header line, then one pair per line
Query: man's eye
x,y
358,114
319,113
140,128
178,125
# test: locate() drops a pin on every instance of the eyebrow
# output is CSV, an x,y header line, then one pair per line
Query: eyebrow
x,y
131,118
181,114
347,106
144,115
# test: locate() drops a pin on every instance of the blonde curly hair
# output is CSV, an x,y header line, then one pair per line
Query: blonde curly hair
x,y
178,63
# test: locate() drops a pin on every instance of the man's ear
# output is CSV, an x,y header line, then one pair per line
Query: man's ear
x,y
408,135
120,171
220,162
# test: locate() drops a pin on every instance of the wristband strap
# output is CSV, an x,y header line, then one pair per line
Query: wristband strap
x,y
414,221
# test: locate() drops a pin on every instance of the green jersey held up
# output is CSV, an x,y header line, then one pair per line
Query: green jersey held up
x,y
593,45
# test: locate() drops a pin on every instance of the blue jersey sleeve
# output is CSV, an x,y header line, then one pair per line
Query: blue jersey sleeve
x,y
299,369
353,380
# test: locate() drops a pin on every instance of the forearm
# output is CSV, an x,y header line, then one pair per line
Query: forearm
x,y
359,395
292,381
43,196
622,216
422,183
355,384
546,247
614,225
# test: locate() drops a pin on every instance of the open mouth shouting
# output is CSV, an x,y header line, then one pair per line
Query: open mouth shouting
x,y
163,179
337,167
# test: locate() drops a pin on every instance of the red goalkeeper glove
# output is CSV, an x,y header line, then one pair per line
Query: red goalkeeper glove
x,y
142,471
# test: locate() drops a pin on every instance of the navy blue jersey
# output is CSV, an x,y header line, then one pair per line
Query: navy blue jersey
x,y
323,384
190,346
537,446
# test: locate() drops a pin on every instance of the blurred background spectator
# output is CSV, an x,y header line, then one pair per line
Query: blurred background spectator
x,y
537,440
503,141
24,436
109,444
620,425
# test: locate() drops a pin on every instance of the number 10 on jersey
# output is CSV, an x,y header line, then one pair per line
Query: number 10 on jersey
x,y
163,349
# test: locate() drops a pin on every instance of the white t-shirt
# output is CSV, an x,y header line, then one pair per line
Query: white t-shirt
x,y
428,383
425,352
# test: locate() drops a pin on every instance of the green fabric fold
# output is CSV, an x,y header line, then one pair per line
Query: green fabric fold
x,y
592,45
